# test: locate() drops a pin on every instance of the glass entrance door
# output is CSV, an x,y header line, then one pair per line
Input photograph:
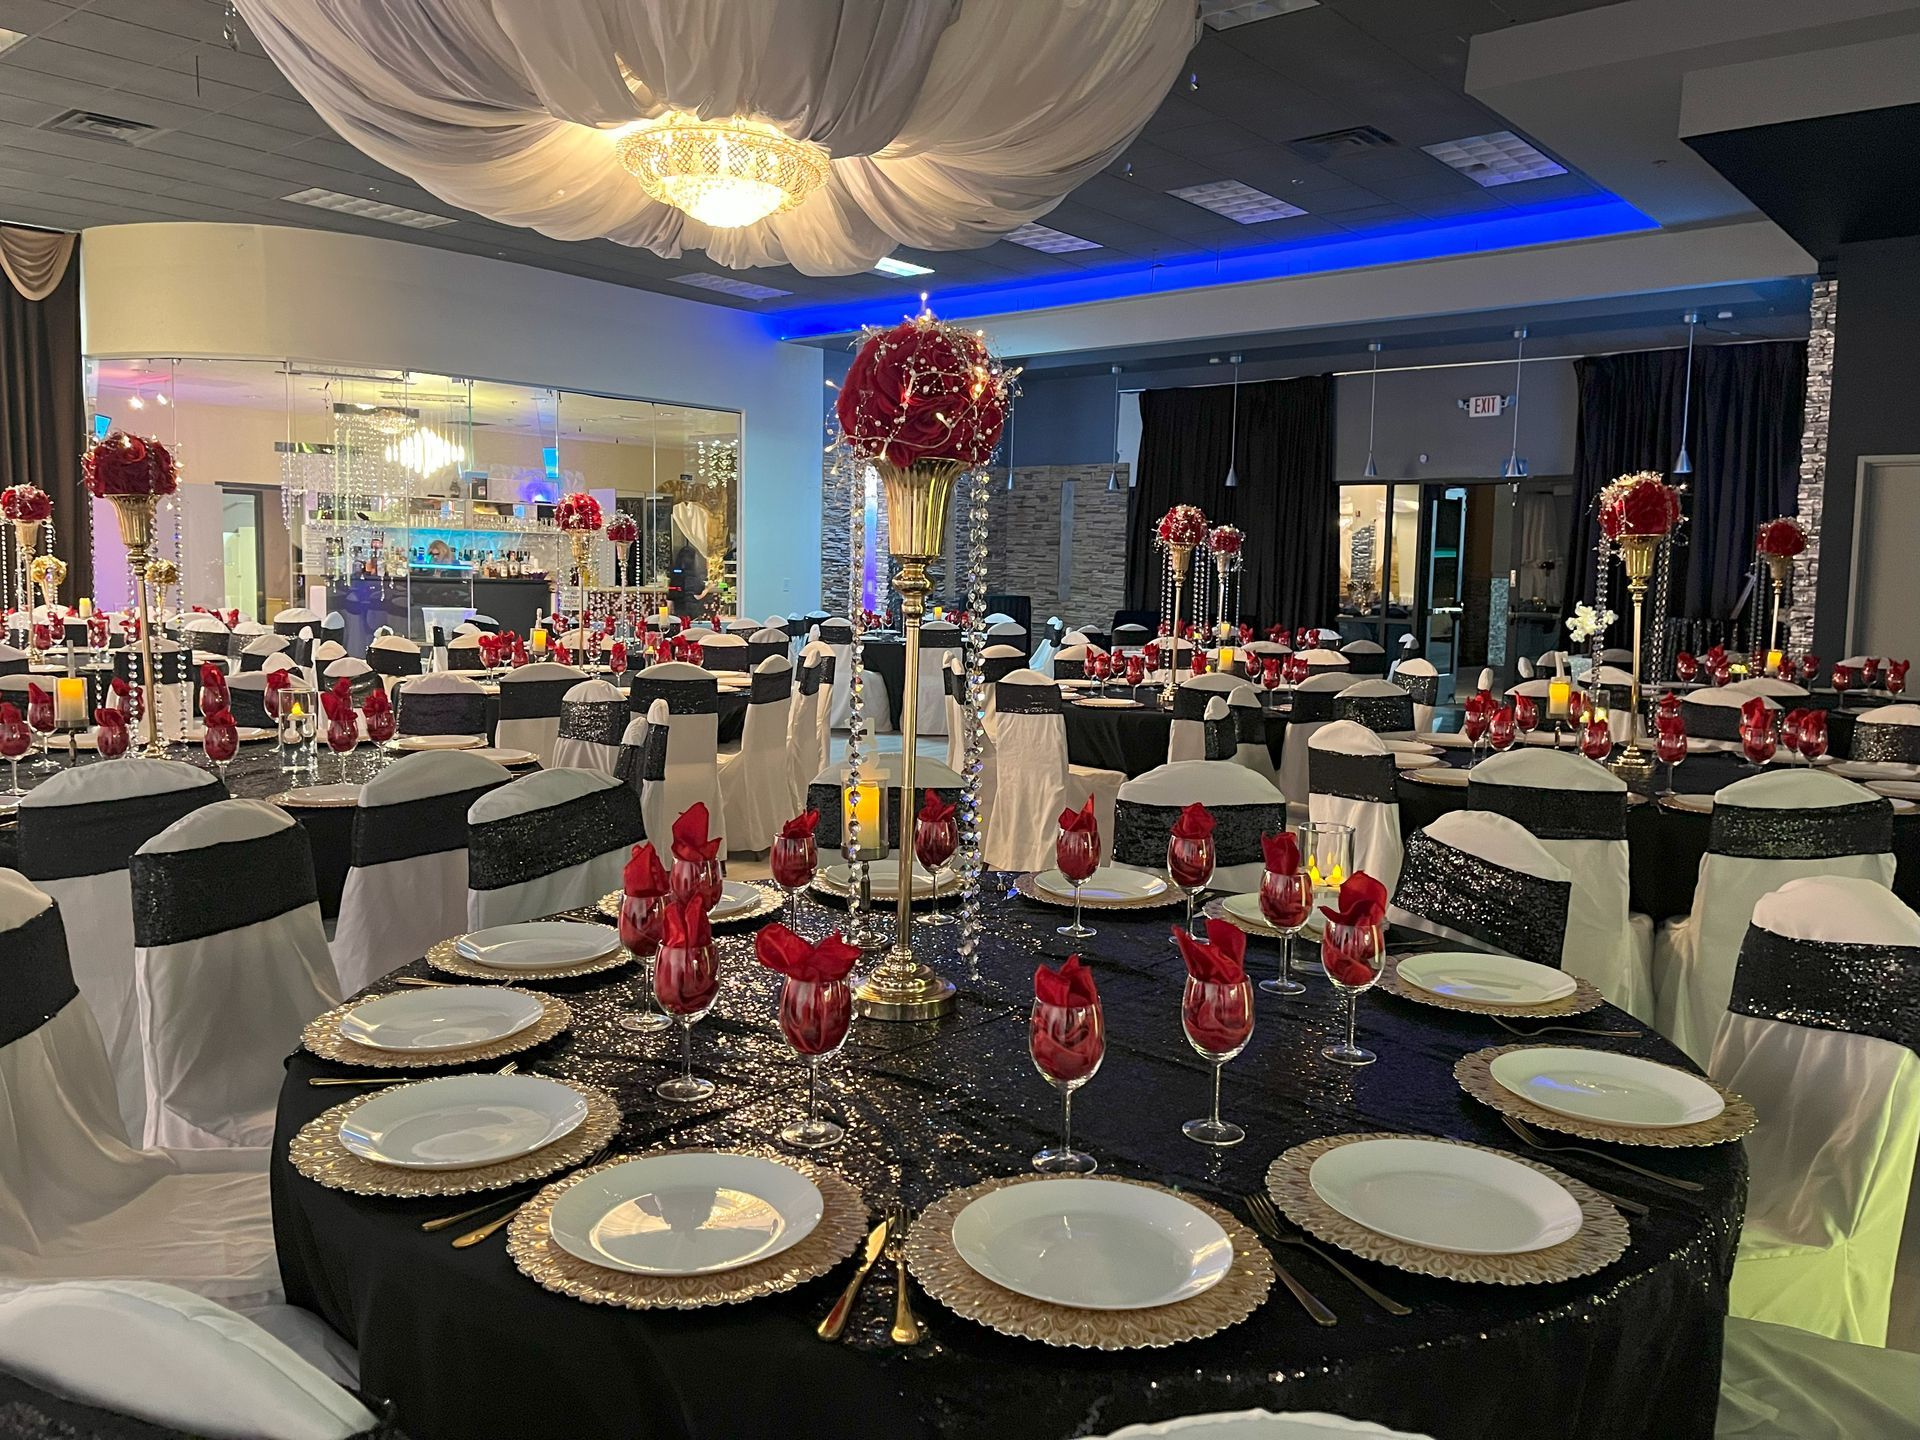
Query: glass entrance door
x,y
242,550
1443,594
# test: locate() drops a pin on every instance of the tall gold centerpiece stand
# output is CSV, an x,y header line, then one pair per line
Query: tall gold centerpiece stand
x,y
1179,557
1780,567
26,535
1636,553
135,514
918,497
583,567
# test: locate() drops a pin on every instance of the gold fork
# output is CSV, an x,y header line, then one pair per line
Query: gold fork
x,y
906,1325
1266,1219
507,1069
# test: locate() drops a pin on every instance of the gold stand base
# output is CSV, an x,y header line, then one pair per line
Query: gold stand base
x,y
1632,764
903,989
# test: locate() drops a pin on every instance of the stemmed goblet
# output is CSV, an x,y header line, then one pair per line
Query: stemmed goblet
x,y
1076,850
686,981
1352,953
1812,739
794,858
643,904
15,740
1669,746
1216,1012
41,720
1526,714
816,1011
1286,901
1501,728
221,740
1190,855
1067,1038
936,835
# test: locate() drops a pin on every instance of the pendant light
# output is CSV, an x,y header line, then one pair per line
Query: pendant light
x,y
1373,405
1516,469
1113,475
1684,464
1233,434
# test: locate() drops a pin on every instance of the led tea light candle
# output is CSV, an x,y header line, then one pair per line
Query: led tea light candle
x,y
70,703
861,804
86,608
537,640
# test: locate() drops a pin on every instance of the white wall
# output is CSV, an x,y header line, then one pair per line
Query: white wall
x,y
191,290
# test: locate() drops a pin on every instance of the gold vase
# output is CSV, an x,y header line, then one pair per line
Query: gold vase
x,y
582,566
27,534
918,499
135,516
1636,554
1179,557
1780,567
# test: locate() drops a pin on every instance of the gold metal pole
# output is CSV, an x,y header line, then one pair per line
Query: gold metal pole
x,y
135,514
1636,553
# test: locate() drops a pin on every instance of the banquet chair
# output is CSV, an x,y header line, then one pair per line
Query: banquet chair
x,y
530,699
406,887
1766,830
1365,657
1312,707
1377,703
1008,632
1578,812
1422,682
554,840
1557,662
294,619
999,661
178,1361
692,758
393,656
765,643
939,638
1032,779
1781,1383
1350,781
956,711
206,635
807,735
1130,637
1480,879
725,654
1070,662
1046,650
173,681
246,699
76,1200
463,652
253,654
1000,617
643,770
1243,806
230,962
362,680
1712,715
593,717
1614,686
698,634
443,703
324,653
1820,1035
1322,660
14,661
1785,691
1890,734
1186,737
838,634
1250,722
1615,655
332,628
78,830
753,779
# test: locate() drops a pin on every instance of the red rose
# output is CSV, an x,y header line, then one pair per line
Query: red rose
x,y
1645,507
622,531
24,502
125,464
578,511
923,390
1781,539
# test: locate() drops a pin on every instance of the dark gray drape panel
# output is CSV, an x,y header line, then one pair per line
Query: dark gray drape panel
x,y
43,414
1285,501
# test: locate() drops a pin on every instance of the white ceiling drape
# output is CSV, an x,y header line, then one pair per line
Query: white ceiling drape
x,y
35,261
950,122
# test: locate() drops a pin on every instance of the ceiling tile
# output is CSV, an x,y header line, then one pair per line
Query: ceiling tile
x,y
91,31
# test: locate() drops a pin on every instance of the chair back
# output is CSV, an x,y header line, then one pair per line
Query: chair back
x,y
443,703
593,717
1350,781
1890,734
1028,770
530,700
551,841
1243,806
1481,879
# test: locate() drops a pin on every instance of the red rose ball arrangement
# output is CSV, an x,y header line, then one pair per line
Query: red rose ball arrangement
x,y
1641,505
124,464
924,390
577,512
1182,525
24,504
621,530
1780,539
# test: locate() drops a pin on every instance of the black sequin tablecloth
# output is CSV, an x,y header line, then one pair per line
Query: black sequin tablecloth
x,y
469,1349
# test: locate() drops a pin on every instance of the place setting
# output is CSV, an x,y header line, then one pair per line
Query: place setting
x,y
1502,986
431,1026
1605,1095
531,950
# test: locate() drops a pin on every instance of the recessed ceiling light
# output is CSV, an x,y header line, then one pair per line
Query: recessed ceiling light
x,y
10,38
1048,241
1229,14
1242,204
1501,158
900,269
368,209
740,289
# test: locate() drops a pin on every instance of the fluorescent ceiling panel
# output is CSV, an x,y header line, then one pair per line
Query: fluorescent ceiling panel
x,y
725,285
1501,158
1048,241
369,209
1240,203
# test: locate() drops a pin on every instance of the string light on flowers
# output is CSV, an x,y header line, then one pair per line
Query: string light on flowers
x,y
1638,513
134,475
1179,532
622,531
28,509
578,518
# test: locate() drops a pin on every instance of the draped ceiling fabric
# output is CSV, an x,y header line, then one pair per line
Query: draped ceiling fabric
x,y
43,416
950,122
35,260
1286,500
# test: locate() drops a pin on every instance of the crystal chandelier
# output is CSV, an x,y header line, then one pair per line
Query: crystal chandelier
x,y
724,173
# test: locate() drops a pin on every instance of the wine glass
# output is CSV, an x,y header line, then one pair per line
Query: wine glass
x,y
40,719
1670,748
1351,955
1067,1043
1896,678
934,842
1190,866
1686,667
109,741
695,879
221,740
814,1016
380,724
343,733
642,918
1218,1019
1475,723
1198,662
1077,853
1789,732
1576,709
793,860
686,981
1757,742
1842,682
1869,671
1270,676
1813,735
1286,900
1722,671
1596,740
1526,714
1136,670
617,658
1809,668
15,740
1500,729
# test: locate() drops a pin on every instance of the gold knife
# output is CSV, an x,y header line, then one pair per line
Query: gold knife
x,y
836,1320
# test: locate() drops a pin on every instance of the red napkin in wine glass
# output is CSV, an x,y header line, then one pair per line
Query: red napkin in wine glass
x,y
212,680
934,810
690,840
1282,852
1194,823
1669,703
1070,987
1350,956
1220,959
1755,712
643,876
376,702
797,958
1363,901
1077,821
686,923
37,696
801,825
1670,722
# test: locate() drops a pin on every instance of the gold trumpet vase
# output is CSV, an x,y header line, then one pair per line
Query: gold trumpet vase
x,y
1780,567
1636,553
918,498
1179,557
582,565
135,514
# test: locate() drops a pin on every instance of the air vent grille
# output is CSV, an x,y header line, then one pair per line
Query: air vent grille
x,y
94,125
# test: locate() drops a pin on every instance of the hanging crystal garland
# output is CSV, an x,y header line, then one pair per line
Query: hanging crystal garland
x,y
853,470
973,763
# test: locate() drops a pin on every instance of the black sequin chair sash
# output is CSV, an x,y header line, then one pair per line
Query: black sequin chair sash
x,y
393,662
1825,832
536,843
957,687
1025,699
1367,662
1376,712
533,699
944,639
813,676
170,667
1829,985
1507,909
1327,667
181,895
1190,701
836,634
996,668
1351,776
39,978
758,650
1140,832
1554,814
1312,705
1898,744
248,706
773,688
1711,722
1249,724
21,665
441,714
1069,669
594,722
61,842
1421,689
725,659
431,825
465,657
1219,738
683,697
290,628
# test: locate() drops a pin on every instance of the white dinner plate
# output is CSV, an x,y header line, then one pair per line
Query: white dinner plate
x,y
1874,770
506,756
1110,884
883,879
1412,747
689,1213
462,1121
321,797
1107,702
736,898
1246,908
438,742
1440,775
1605,1086
1896,789
440,1017
1487,979
536,945
1404,761
1093,1244
1445,739
1445,1197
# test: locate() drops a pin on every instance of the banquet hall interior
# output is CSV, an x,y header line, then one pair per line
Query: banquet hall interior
x,y
938,718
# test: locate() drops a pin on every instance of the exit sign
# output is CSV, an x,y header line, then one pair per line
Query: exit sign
x,y
1484,407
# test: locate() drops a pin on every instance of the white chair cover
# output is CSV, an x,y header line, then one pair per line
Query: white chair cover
x,y
1244,807
1366,657
253,655
554,840
443,703
1784,691
463,652
767,642
808,737
1320,660
593,716
530,700
1890,733
1821,1036
643,770
1380,704
76,1200
1350,780
78,830
692,758
360,677
1766,830
1007,632
1312,707
406,887
1481,879
1781,1383
1420,680
1250,722
294,619
1712,716
956,682
392,656
1069,662
876,699
725,653
1186,735
753,779
1578,812
938,639
173,687
1032,781
230,962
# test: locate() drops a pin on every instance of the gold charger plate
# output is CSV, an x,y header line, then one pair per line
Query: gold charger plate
x,y
843,1225
965,1291
1475,1074
1583,998
1600,1240
445,958
1031,891
322,1037
769,903
317,1153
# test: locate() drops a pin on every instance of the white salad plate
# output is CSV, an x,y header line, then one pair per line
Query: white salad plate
x,y
1486,979
439,742
440,1017
1610,1088
506,756
462,1121
1445,1197
1110,884
536,945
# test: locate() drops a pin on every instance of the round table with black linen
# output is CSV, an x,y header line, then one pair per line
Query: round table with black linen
x,y
469,1349
1133,741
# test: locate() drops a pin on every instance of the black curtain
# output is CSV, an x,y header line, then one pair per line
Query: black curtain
x,y
1743,439
1286,500
43,414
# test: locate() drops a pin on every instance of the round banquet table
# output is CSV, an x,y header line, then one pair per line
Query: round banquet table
x,y
467,1348
1133,741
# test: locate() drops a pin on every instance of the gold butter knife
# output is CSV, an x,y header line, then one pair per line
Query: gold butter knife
x,y
836,1321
